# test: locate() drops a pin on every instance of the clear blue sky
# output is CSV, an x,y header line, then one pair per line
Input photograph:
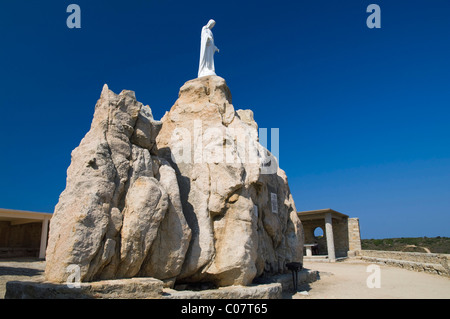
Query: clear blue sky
x,y
363,113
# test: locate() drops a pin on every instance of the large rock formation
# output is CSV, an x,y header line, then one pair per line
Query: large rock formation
x,y
119,201
226,189
192,198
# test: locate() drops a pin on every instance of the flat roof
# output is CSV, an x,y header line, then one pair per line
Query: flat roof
x,y
17,217
319,214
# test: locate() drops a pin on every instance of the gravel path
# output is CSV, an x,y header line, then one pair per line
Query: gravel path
x,y
348,280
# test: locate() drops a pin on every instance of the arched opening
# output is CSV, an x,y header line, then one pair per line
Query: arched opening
x,y
318,233
319,241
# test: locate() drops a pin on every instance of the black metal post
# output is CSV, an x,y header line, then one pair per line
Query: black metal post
x,y
294,267
293,279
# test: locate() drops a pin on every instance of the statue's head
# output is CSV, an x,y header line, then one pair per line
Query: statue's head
x,y
211,23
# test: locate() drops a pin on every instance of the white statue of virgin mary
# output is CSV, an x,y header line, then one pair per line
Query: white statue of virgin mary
x,y
207,50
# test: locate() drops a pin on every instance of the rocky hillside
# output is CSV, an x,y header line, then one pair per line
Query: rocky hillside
x,y
440,245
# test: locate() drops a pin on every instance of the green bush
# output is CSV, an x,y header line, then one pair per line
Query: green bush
x,y
438,244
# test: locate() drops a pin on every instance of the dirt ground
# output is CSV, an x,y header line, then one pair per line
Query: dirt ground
x,y
341,280
19,269
348,280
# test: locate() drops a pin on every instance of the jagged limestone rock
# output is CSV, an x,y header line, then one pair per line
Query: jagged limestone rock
x,y
108,217
191,198
220,167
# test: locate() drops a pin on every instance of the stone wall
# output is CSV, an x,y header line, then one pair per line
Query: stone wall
x,y
308,227
21,240
431,263
354,235
340,235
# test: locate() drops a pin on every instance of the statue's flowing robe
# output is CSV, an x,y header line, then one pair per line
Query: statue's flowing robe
x,y
207,50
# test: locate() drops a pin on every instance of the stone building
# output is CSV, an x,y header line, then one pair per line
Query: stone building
x,y
329,234
23,233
